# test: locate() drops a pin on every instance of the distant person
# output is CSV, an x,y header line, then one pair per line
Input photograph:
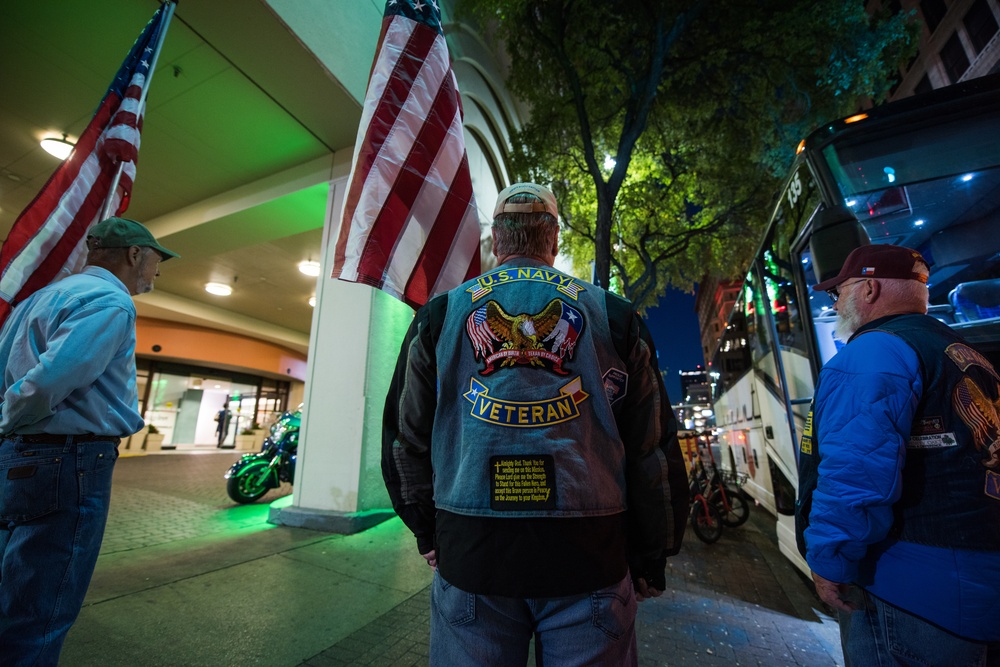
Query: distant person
x,y
67,397
531,448
222,425
899,472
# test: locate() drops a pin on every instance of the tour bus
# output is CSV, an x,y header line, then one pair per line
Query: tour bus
x,y
922,172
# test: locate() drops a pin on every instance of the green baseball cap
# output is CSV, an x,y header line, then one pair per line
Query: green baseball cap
x,y
124,233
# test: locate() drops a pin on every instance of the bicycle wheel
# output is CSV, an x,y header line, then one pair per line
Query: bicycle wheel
x,y
705,521
739,508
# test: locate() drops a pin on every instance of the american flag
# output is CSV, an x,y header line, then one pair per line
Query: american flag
x,y
49,237
479,331
410,225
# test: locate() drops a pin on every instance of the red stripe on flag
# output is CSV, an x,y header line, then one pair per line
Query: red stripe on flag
x,y
442,236
397,89
34,216
411,177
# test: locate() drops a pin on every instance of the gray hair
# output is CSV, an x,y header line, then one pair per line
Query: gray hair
x,y
529,234
911,294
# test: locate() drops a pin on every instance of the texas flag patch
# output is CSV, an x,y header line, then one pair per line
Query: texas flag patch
x,y
868,271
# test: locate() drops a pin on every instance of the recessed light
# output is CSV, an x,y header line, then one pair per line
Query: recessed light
x,y
60,148
219,289
310,268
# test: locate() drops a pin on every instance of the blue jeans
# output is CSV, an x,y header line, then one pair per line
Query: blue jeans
x,y
881,635
53,507
596,628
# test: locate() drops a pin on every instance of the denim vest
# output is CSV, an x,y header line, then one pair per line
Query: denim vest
x,y
527,352
951,485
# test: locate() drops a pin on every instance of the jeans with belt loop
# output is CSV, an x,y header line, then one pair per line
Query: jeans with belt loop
x,y
595,629
54,500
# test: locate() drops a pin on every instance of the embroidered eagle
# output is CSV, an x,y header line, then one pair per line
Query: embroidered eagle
x,y
547,336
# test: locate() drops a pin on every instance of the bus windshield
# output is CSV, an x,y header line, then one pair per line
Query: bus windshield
x,y
934,188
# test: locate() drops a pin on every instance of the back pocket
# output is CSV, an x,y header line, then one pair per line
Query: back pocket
x,y
29,489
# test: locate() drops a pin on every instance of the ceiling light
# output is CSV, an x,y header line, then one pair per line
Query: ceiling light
x,y
310,268
60,148
219,289
312,301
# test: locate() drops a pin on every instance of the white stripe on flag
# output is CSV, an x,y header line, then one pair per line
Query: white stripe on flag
x,y
400,140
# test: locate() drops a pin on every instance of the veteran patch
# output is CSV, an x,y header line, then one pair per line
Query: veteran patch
x,y
526,414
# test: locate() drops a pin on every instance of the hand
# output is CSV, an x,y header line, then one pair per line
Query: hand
x,y
431,558
643,591
834,594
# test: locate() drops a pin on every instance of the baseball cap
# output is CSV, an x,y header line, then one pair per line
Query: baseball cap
x,y
123,233
548,203
877,261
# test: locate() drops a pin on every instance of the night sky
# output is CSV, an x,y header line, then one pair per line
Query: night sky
x,y
674,326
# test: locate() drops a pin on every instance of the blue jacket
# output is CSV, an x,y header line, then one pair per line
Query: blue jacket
x,y
869,413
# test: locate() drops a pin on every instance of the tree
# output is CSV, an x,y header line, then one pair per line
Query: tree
x,y
663,126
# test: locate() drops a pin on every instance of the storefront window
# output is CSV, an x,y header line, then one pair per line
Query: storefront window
x,y
197,407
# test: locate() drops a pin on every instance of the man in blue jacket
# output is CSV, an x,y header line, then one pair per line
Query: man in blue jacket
x,y
67,397
530,446
899,474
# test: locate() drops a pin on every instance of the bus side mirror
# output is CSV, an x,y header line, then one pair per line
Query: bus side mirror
x,y
836,232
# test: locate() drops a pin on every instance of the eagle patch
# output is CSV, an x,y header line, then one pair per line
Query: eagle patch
x,y
544,339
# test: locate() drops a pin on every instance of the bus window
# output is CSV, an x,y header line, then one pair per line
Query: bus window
x,y
758,311
732,357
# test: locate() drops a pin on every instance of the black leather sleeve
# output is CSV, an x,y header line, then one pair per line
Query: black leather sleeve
x,y
408,421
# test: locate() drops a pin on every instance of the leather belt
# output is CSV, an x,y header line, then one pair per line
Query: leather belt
x,y
48,438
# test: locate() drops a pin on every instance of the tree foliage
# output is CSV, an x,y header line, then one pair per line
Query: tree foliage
x,y
664,126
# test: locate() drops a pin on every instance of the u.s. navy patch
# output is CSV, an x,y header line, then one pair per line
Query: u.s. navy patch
x,y
544,339
526,482
526,414
615,384
484,284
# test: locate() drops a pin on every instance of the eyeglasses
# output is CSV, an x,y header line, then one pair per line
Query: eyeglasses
x,y
834,293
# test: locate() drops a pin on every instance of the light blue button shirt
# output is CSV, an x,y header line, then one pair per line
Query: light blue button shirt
x,y
70,359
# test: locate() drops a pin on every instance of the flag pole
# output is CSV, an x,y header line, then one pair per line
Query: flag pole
x,y
171,5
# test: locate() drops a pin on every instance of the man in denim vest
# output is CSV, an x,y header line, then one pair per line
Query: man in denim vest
x,y
530,446
67,396
899,482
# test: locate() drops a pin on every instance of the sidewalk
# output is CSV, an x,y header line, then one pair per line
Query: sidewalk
x,y
186,577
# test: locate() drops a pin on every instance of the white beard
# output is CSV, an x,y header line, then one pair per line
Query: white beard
x,y
848,321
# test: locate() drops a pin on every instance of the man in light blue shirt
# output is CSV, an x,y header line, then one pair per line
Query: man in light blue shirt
x,y
67,397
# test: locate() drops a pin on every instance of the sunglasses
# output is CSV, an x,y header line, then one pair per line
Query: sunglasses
x,y
834,293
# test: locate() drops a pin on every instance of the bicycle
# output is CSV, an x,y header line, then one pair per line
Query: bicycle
x,y
706,521
725,494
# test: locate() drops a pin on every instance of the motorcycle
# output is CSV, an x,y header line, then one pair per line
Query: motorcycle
x,y
255,474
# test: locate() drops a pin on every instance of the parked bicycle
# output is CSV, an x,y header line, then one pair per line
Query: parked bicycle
x,y
706,521
722,492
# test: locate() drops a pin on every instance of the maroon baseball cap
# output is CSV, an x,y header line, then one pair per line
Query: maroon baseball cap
x,y
878,261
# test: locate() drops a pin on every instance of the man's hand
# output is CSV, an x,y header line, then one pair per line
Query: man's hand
x,y
431,558
643,591
834,594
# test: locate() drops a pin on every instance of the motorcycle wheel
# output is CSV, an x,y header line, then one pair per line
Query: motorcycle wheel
x,y
739,509
246,486
706,522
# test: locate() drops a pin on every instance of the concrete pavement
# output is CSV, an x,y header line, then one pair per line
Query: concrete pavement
x,y
186,577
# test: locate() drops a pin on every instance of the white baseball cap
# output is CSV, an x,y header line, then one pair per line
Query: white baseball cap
x,y
548,203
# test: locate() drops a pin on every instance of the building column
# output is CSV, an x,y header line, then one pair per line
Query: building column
x,y
356,334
